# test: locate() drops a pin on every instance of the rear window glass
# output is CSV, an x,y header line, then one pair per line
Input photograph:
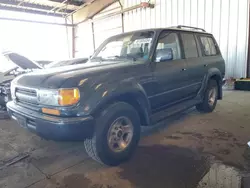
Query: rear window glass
x,y
208,46
189,44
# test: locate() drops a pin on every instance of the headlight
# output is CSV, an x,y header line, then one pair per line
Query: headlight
x,y
12,90
48,97
61,97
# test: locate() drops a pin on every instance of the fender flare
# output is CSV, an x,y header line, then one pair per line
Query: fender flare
x,y
214,72
136,91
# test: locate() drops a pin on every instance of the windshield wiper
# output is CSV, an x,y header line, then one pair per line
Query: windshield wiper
x,y
97,58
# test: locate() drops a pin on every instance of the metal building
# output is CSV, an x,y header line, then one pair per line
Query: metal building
x,y
228,20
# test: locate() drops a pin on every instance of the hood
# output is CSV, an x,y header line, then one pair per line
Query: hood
x,y
56,77
22,61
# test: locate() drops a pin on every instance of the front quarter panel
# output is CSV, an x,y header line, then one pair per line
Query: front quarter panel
x,y
96,94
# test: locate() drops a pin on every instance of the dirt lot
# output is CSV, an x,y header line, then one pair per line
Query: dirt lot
x,y
175,153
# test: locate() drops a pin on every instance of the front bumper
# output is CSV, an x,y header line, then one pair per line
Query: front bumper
x,y
52,127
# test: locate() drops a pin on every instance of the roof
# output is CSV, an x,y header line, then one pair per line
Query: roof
x,y
188,28
174,28
180,28
44,7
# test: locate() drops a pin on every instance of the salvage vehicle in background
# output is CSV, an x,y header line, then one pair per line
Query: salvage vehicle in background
x,y
11,65
133,79
74,61
43,63
52,64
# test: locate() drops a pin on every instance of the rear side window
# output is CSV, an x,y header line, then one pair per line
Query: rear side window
x,y
189,44
208,46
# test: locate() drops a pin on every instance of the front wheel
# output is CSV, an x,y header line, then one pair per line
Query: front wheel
x,y
117,132
210,98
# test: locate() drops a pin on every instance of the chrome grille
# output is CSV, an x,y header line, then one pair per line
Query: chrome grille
x,y
26,95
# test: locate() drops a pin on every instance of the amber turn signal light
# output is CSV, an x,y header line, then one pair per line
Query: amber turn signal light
x,y
68,97
51,111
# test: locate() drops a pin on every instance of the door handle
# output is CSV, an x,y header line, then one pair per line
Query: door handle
x,y
205,65
183,69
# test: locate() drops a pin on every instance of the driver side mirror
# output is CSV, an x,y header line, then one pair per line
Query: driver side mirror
x,y
164,55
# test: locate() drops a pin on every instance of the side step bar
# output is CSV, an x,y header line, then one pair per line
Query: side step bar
x,y
161,115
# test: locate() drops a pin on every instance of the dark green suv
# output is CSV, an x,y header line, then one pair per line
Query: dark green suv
x,y
134,79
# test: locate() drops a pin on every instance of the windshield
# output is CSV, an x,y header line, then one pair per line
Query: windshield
x,y
129,46
6,64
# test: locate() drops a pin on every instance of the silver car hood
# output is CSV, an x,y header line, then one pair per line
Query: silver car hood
x,y
21,61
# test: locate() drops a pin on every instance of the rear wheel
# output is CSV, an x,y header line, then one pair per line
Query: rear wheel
x,y
210,97
117,132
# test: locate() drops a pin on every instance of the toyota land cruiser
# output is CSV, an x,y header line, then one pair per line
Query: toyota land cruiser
x,y
133,79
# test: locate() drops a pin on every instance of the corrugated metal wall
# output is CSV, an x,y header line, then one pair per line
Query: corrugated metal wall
x,y
228,20
102,28
84,45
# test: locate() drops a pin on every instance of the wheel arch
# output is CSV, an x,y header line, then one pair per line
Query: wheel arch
x,y
215,74
136,99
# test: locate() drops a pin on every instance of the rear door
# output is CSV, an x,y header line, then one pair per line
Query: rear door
x,y
210,51
193,58
170,74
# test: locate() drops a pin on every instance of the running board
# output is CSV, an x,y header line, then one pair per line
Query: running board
x,y
161,115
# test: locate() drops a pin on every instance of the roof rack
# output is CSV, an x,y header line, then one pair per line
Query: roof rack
x,y
189,27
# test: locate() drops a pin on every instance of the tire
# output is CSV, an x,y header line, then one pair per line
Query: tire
x,y
98,147
207,106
